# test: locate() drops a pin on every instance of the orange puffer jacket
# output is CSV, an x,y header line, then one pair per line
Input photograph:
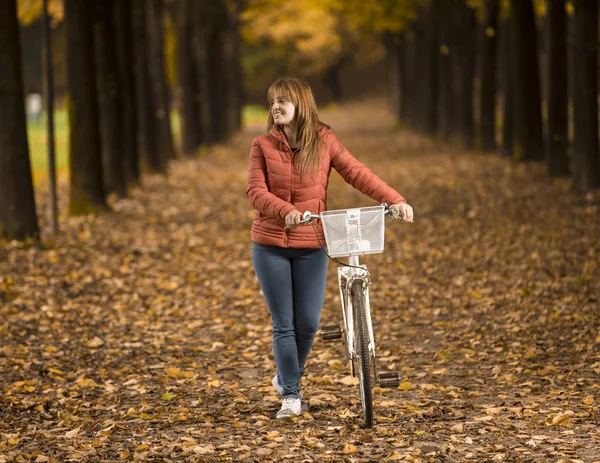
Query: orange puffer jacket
x,y
275,188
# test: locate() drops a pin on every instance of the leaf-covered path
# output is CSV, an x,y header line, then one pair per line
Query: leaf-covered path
x,y
142,335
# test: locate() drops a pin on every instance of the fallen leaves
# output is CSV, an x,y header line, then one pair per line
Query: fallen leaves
x,y
143,335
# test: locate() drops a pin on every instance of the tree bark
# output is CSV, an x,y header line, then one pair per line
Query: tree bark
x,y
332,79
18,218
487,119
466,72
129,143
159,80
432,91
558,90
218,93
151,156
391,43
507,87
446,79
87,190
190,135
237,80
407,72
585,98
527,108
109,99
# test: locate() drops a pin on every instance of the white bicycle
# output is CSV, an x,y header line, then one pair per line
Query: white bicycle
x,y
353,233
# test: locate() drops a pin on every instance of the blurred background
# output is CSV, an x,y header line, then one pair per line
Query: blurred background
x,y
136,83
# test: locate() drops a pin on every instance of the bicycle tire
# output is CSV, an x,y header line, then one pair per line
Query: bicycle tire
x,y
361,341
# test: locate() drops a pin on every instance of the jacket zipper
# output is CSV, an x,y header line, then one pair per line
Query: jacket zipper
x,y
291,189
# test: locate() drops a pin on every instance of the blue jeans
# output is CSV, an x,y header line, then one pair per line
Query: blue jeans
x,y
293,282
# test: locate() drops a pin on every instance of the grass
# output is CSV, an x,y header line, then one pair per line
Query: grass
x,y
38,139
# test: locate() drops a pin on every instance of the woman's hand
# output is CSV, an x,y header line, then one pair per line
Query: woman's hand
x,y
403,211
292,220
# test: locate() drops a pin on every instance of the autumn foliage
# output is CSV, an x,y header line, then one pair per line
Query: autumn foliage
x,y
142,335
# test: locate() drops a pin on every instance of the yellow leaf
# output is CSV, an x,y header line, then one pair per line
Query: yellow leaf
x,y
394,456
72,433
346,413
213,383
562,419
405,386
272,434
174,372
86,382
588,400
349,380
458,427
349,448
570,8
492,411
13,441
94,343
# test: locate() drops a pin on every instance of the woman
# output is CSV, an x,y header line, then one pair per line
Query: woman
x,y
288,174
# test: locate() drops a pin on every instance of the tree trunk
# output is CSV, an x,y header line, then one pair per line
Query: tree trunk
x,y
558,90
129,144
585,98
18,219
237,87
393,71
407,72
87,189
159,80
527,109
190,135
200,49
487,119
332,79
446,90
109,99
218,94
420,62
152,158
432,91
507,87
466,73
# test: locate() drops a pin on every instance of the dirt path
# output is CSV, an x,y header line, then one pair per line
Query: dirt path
x,y
142,335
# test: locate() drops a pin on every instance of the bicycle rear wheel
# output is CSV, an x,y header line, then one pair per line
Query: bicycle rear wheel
x,y
361,348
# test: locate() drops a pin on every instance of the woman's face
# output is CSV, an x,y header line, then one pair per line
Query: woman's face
x,y
283,110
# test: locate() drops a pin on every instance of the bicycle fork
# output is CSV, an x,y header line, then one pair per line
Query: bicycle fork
x,y
347,276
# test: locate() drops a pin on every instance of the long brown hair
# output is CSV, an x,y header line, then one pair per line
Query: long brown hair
x,y
299,93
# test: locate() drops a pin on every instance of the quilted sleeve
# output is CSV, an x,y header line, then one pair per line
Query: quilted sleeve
x,y
360,176
257,189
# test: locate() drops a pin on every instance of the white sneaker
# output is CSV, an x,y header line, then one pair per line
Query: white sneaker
x,y
304,404
289,407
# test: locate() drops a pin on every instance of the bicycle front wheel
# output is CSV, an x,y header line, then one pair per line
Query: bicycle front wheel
x,y
361,349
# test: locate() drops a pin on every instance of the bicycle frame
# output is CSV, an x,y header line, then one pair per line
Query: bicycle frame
x,y
346,277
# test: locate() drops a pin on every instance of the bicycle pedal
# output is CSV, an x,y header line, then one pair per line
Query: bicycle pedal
x,y
331,332
389,379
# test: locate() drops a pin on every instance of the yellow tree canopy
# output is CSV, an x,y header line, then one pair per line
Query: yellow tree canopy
x,y
315,33
30,10
302,31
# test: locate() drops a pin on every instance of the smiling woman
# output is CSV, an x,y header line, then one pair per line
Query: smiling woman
x,y
289,173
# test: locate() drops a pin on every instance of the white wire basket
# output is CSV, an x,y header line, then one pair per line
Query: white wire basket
x,y
354,232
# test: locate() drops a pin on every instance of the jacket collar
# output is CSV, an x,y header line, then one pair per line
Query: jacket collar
x,y
278,134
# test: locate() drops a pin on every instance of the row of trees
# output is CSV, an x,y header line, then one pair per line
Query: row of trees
x,y
118,99
432,67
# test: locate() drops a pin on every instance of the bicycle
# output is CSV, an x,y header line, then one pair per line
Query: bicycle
x,y
353,233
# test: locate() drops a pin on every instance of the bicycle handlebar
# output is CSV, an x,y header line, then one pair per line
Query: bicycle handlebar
x,y
308,216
